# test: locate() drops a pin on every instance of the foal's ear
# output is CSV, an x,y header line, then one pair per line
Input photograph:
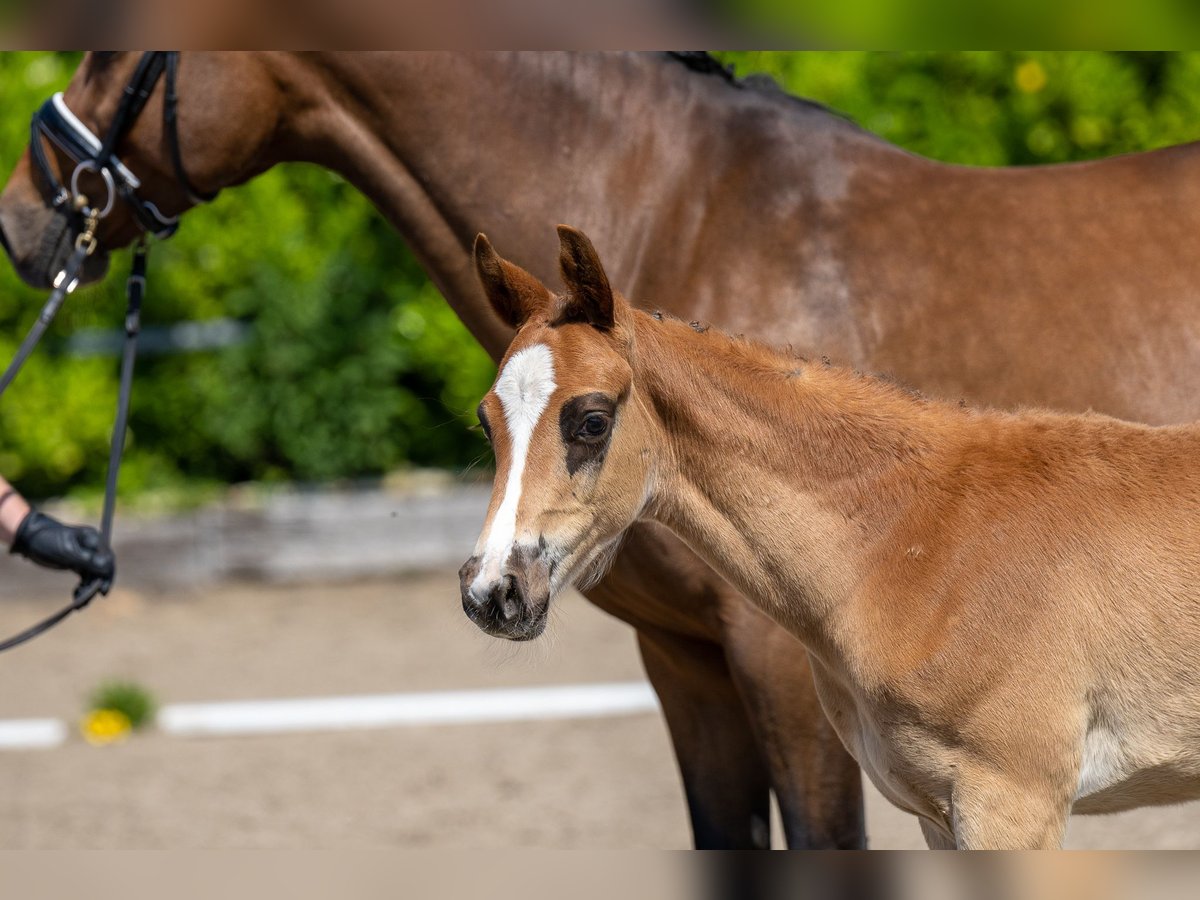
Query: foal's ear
x,y
589,297
515,295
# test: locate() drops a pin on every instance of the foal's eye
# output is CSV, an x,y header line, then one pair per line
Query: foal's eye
x,y
594,425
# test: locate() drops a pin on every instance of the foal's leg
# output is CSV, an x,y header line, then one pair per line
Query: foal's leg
x,y
816,781
992,812
725,736
935,838
723,773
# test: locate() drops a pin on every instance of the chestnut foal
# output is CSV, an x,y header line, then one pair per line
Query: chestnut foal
x,y
1002,610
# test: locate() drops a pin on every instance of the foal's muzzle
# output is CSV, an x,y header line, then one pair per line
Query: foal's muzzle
x,y
512,605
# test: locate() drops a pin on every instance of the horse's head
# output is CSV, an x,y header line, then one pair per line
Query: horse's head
x,y
224,117
573,466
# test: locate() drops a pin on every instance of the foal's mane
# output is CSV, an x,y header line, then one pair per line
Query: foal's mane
x,y
704,63
767,361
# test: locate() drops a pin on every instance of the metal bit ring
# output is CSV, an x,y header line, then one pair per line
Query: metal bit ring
x,y
90,165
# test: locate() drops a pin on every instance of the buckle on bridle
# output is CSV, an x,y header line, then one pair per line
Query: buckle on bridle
x,y
85,246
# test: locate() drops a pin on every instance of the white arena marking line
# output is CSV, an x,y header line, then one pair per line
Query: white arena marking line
x,y
27,734
529,704
392,710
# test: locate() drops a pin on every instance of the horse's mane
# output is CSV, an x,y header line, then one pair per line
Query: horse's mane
x,y
704,63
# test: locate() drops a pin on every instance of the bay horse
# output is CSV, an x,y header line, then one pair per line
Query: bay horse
x,y
1064,286
1001,610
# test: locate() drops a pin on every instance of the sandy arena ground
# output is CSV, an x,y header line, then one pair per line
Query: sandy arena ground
x,y
601,783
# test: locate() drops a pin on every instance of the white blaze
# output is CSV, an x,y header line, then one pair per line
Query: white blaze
x,y
524,389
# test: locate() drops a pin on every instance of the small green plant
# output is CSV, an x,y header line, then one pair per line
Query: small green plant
x,y
126,697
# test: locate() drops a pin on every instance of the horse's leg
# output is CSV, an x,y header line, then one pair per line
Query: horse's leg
x,y
723,774
816,781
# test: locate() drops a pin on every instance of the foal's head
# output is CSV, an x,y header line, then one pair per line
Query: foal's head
x,y
573,466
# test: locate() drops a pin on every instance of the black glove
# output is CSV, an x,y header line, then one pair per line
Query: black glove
x,y
54,545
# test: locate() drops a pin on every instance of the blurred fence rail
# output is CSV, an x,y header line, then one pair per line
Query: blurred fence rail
x,y
182,337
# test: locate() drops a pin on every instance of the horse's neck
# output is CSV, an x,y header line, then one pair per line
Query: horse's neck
x,y
633,149
447,145
787,475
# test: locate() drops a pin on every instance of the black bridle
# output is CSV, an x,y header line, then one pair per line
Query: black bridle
x,y
57,123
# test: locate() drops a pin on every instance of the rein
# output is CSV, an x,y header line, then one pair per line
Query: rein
x,y
55,121
65,283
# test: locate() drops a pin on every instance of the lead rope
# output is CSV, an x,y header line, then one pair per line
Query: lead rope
x,y
64,284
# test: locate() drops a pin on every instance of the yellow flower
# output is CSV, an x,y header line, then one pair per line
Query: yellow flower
x,y
105,726
1031,77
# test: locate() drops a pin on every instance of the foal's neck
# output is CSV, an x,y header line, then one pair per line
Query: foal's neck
x,y
786,474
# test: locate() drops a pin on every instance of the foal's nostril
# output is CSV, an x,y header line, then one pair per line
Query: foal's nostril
x,y
4,241
506,598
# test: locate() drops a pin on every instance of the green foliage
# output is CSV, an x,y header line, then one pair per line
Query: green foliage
x,y
355,364
126,697
1001,107
947,23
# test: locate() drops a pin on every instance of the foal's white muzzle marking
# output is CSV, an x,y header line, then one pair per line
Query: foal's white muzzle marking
x,y
524,389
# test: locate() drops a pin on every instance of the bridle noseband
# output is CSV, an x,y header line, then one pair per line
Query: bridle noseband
x,y
55,121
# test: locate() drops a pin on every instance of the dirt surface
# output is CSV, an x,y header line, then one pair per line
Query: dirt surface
x,y
600,783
